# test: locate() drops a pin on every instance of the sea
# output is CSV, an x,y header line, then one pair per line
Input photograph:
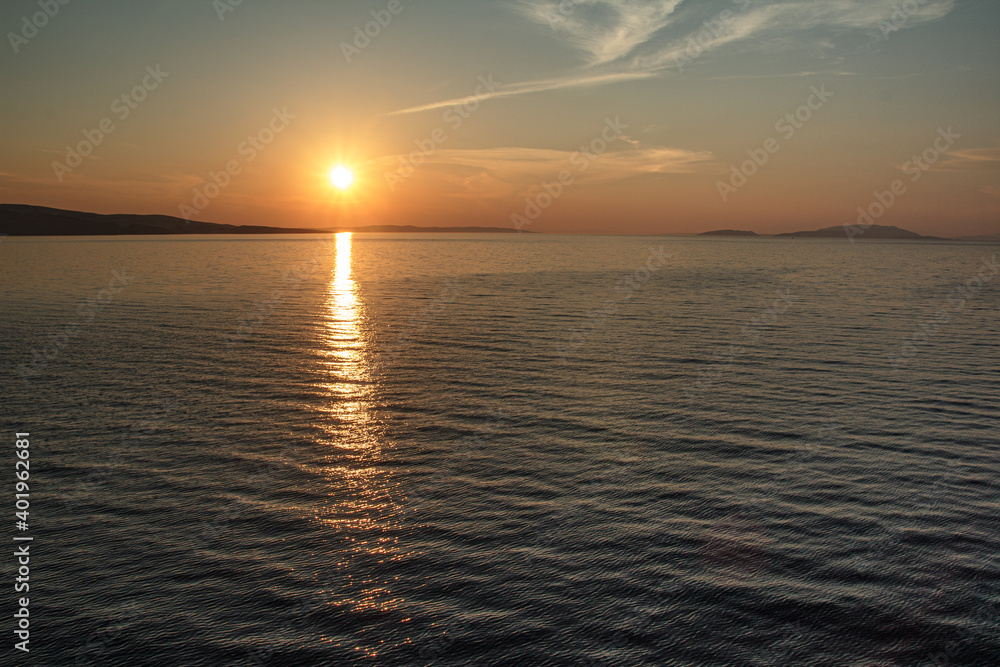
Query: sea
x,y
522,449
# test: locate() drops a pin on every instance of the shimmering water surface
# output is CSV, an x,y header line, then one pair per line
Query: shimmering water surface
x,y
506,450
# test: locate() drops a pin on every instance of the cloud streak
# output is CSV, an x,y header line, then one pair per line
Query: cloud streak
x,y
514,171
573,81
972,159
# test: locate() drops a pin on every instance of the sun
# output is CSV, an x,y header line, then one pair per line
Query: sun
x,y
341,177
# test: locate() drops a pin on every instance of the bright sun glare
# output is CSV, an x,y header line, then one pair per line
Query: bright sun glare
x,y
341,177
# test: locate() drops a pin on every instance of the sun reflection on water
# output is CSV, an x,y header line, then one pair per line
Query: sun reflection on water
x,y
363,505
345,347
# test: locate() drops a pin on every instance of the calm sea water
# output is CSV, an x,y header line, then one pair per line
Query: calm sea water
x,y
506,450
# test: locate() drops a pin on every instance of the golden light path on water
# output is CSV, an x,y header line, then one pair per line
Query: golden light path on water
x,y
365,505
345,344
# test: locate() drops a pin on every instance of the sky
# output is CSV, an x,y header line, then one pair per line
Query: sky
x,y
570,116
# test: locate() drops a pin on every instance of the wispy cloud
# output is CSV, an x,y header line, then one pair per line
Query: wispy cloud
x,y
625,40
512,171
971,159
606,30
792,21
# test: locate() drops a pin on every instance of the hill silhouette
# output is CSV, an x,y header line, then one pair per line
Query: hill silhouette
x,y
26,220
872,232
839,232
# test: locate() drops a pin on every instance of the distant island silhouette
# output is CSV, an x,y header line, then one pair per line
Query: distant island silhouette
x,y
839,232
26,220
871,232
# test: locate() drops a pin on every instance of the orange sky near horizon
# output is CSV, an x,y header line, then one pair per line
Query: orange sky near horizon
x,y
594,117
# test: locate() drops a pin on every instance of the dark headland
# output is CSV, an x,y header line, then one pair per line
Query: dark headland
x,y
24,220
